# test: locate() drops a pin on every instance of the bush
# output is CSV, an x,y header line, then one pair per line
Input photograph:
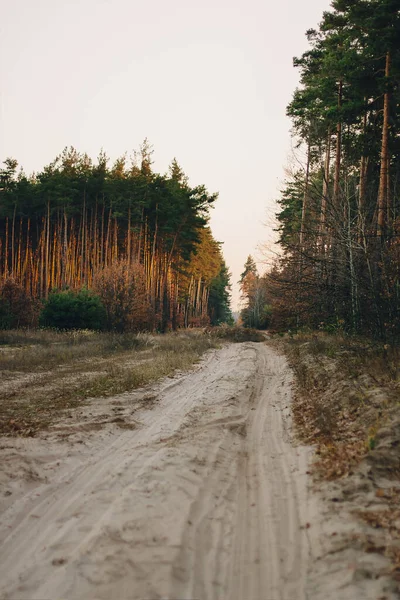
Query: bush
x,y
122,290
73,310
17,308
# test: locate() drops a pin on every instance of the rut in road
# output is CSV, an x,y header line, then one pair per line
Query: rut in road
x,y
206,499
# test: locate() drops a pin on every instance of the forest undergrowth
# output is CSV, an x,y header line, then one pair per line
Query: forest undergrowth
x,y
347,405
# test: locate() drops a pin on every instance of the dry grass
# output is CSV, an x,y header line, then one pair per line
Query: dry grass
x,y
46,373
43,349
354,356
347,404
347,390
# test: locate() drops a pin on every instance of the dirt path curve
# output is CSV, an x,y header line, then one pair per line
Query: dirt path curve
x,y
206,498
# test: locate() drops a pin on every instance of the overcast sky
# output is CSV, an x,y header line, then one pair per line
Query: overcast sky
x,y
206,82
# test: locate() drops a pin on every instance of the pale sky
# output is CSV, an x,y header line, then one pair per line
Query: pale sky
x,y
206,82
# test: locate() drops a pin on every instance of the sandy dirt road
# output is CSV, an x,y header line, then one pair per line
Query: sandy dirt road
x,y
207,498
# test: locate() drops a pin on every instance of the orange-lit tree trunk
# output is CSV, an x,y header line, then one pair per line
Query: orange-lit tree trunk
x,y
325,184
305,195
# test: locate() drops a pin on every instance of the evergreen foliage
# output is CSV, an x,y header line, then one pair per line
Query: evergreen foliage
x,y
219,299
339,215
256,312
73,310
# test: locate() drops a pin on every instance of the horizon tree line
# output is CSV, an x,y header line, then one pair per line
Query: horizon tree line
x,y
62,227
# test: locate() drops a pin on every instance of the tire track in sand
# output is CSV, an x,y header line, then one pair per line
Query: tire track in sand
x,y
246,538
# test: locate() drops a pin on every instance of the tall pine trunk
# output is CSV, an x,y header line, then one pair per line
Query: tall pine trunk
x,y
336,184
384,170
305,195
325,184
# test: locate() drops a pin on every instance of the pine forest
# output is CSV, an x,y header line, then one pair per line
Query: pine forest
x,y
137,238
339,210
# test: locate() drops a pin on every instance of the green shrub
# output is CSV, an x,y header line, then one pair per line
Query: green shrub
x,y
6,318
73,310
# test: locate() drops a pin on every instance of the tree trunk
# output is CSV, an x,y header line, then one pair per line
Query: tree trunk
x,y
336,185
47,252
383,178
13,242
305,196
325,185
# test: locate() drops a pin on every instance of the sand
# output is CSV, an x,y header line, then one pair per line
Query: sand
x,y
194,488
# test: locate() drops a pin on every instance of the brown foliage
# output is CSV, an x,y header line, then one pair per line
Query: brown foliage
x,y
122,289
17,308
